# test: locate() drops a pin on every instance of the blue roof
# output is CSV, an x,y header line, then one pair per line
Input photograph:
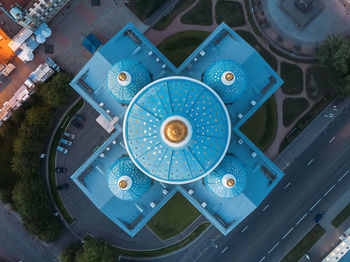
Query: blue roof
x,y
229,168
199,107
228,89
135,182
137,77
91,43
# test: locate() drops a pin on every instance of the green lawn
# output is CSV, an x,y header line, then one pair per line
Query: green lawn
x,y
264,120
293,79
179,46
251,39
179,8
229,12
174,217
293,108
342,216
317,82
200,14
144,8
305,244
52,159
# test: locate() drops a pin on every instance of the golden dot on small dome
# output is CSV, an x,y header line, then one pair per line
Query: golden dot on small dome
x,y
229,76
175,131
230,182
122,77
123,184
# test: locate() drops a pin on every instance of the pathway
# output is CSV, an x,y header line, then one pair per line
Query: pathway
x,y
156,37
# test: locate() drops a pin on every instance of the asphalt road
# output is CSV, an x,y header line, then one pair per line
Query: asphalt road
x,y
313,182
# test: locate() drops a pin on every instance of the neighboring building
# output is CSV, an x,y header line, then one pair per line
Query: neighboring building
x,y
341,253
176,129
32,14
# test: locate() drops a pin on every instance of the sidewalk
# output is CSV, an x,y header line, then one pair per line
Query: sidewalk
x,y
331,238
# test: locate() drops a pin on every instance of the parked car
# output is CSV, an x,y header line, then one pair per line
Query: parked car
x,y
66,142
69,135
79,118
62,186
77,124
62,149
61,170
318,217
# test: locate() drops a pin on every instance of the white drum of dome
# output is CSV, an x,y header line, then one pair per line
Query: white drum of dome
x,y
124,78
124,182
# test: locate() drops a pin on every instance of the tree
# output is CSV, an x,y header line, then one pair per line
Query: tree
x,y
70,253
96,250
334,55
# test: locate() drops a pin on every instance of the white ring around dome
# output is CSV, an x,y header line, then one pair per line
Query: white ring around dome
x,y
128,181
127,81
225,178
189,131
225,81
125,135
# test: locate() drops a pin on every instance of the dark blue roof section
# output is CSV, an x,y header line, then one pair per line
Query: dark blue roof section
x,y
91,43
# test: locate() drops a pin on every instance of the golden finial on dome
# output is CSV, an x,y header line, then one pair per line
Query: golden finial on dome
x,y
229,76
175,131
122,77
123,184
230,182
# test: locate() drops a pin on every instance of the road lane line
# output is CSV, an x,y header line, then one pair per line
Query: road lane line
x,y
343,176
266,207
244,229
262,259
287,233
315,204
301,218
312,160
273,247
325,194
330,141
224,250
287,185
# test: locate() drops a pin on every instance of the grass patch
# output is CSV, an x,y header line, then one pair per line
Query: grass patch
x,y
178,9
52,159
293,108
317,82
144,8
264,120
293,79
200,14
342,216
305,244
306,120
251,39
179,46
174,217
229,12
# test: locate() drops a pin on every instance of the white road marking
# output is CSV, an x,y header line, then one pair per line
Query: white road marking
x,y
224,250
325,194
343,176
330,141
244,229
301,218
287,233
312,160
315,204
273,247
287,185
262,259
266,207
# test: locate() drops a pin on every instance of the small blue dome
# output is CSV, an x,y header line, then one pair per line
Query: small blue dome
x,y
126,181
177,130
126,79
227,78
228,179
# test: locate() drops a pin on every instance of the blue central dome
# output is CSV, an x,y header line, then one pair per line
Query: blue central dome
x,y
177,130
228,179
126,79
126,181
228,79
